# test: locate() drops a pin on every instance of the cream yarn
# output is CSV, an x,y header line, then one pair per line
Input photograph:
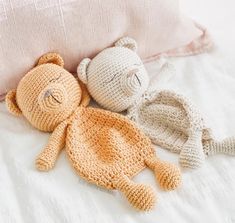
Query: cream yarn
x,y
116,77
173,122
117,80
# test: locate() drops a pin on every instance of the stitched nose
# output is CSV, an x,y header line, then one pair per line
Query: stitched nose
x,y
53,98
47,93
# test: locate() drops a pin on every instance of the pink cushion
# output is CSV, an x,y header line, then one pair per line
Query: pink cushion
x,y
81,28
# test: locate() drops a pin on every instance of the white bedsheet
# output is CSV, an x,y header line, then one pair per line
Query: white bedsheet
x,y
207,194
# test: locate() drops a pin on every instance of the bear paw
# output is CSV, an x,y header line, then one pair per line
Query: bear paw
x,y
43,165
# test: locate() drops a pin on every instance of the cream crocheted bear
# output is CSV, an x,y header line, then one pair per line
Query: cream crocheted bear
x,y
116,77
117,80
104,148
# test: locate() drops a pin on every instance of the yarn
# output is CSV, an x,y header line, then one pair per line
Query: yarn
x,y
225,146
174,123
165,173
116,77
117,80
114,149
139,195
104,148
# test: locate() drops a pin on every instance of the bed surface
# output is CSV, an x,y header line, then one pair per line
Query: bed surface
x,y
207,194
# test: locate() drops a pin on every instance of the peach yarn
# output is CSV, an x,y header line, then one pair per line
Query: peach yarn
x,y
105,148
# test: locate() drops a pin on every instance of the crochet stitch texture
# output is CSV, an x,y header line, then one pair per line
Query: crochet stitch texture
x,y
117,80
105,148
174,123
115,73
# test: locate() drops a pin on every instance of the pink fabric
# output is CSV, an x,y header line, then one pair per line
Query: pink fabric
x,y
199,45
81,28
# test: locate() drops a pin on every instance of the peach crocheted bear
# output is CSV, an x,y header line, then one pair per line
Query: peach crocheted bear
x,y
104,148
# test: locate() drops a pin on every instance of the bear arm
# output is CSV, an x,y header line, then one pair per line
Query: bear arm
x,y
47,158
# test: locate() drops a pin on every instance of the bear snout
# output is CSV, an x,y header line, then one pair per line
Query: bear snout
x,y
53,98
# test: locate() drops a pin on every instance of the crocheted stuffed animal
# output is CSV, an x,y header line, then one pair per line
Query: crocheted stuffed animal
x,y
104,148
117,80
172,121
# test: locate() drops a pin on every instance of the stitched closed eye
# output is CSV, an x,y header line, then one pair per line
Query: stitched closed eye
x,y
119,74
138,80
56,78
114,76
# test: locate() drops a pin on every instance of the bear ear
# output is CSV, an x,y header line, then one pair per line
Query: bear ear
x,y
128,43
54,58
82,70
12,104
